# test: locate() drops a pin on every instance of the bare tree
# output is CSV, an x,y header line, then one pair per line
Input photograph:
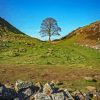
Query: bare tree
x,y
49,27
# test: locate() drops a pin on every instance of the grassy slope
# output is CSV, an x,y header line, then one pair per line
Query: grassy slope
x,y
88,35
22,57
41,53
42,61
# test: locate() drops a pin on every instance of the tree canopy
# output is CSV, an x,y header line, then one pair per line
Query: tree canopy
x,y
49,27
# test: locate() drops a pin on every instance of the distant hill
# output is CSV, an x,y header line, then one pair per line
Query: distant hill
x,y
10,33
88,35
13,42
5,26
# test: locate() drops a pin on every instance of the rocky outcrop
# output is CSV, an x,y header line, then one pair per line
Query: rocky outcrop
x,y
25,90
19,85
48,89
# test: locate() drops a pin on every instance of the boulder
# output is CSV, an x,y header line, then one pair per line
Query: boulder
x,y
42,96
7,93
39,87
47,89
9,86
20,85
25,94
79,95
58,96
68,95
28,92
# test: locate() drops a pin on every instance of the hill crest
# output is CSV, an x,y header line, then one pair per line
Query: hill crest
x,y
6,26
86,35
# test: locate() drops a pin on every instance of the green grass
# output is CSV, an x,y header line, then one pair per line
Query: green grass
x,y
42,61
43,53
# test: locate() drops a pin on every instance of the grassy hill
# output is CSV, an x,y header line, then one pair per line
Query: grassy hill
x,y
18,48
88,35
9,33
24,57
13,43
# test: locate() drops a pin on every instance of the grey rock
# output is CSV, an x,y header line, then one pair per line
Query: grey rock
x,y
58,96
42,96
39,86
22,85
47,89
28,92
79,95
25,94
68,95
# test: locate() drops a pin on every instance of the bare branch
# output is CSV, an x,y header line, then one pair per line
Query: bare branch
x,y
49,27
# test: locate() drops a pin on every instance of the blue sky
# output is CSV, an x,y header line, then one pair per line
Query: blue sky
x,y
27,15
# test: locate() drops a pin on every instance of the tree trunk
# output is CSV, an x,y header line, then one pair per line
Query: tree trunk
x,y
49,38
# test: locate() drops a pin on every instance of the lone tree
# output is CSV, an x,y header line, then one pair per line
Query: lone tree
x,y
49,27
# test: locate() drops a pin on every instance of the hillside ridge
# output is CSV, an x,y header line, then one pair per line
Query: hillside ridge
x,y
86,35
5,25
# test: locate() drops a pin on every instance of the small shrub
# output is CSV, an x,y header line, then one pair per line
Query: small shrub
x,y
11,54
15,54
48,63
42,56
